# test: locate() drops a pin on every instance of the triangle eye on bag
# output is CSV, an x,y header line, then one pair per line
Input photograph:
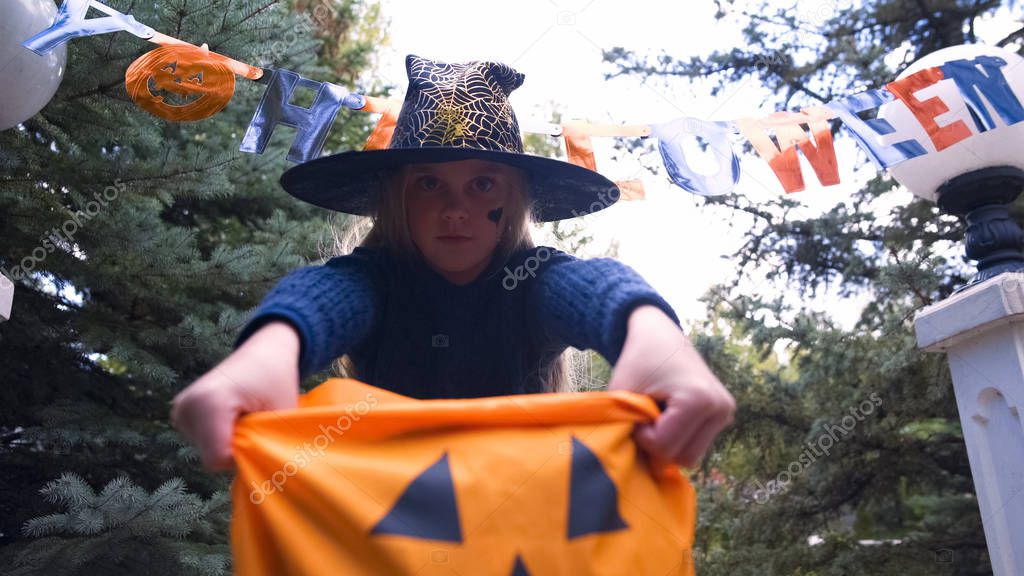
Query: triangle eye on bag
x,y
360,480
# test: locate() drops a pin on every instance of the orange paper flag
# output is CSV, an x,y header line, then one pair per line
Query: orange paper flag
x,y
789,132
380,138
579,150
359,480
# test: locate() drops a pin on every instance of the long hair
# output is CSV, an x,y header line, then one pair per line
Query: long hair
x,y
388,228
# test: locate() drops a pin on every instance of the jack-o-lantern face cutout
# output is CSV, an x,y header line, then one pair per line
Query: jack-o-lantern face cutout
x,y
427,509
180,83
363,481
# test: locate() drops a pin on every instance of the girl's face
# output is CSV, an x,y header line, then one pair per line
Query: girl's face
x,y
455,212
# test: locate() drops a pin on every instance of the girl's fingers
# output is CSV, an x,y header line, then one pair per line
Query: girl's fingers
x,y
207,420
684,432
666,436
686,443
643,435
216,452
691,454
674,428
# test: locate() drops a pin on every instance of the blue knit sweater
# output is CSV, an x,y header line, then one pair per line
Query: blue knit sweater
x,y
408,329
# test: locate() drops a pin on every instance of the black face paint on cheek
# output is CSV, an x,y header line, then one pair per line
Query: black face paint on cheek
x,y
495,215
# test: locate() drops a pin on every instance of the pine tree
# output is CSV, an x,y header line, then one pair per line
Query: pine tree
x,y
894,494
175,235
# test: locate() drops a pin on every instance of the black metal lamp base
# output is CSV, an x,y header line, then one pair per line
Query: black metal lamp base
x,y
993,238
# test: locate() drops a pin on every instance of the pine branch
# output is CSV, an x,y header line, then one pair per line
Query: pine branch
x,y
1017,34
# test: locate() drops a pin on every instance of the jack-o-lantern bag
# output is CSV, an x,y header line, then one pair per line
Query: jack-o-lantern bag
x,y
359,480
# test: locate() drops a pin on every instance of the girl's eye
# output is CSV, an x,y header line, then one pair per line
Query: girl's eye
x,y
428,182
483,184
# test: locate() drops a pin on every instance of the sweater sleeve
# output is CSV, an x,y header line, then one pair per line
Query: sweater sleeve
x,y
332,307
587,303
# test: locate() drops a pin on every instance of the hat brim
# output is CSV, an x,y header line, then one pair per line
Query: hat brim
x,y
349,181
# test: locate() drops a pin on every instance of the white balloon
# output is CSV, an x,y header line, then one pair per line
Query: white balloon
x,y
29,80
1000,146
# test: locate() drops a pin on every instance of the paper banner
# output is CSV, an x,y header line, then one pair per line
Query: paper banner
x,y
926,110
183,82
990,82
385,128
240,68
671,136
790,135
630,190
71,23
312,124
868,133
180,83
579,150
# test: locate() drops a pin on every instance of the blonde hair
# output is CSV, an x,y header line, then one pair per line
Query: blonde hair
x,y
388,228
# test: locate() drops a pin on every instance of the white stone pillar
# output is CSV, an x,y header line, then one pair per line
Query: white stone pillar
x,y
981,330
6,297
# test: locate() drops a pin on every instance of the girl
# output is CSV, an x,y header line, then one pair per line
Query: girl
x,y
447,296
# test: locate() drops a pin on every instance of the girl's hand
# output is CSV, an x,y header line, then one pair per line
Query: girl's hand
x,y
262,374
657,359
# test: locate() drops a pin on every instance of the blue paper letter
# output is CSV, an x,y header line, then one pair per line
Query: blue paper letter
x,y
312,123
669,137
865,131
991,84
71,23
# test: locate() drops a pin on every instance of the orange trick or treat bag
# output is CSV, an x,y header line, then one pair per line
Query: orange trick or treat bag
x,y
359,480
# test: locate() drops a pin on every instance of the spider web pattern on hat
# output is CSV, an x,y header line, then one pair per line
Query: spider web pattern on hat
x,y
454,105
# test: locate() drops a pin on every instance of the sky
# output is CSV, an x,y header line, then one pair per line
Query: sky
x,y
680,247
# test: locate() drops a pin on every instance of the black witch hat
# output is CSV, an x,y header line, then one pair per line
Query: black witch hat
x,y
452,112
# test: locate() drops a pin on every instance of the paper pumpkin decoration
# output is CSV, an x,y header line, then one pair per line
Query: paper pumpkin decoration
x,y
961,108
359,480
180,83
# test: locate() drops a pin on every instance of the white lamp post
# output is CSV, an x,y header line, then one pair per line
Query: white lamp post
x,y
981,326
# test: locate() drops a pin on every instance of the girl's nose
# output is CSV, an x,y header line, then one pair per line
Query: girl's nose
x,y
454,211
454,215
454,207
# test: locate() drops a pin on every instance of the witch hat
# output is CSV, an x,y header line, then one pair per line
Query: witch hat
x,y
452,112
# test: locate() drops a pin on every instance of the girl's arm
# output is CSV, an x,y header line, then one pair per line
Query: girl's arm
x,y
659,360
262,374
587,303
312,316
331,308
605,305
